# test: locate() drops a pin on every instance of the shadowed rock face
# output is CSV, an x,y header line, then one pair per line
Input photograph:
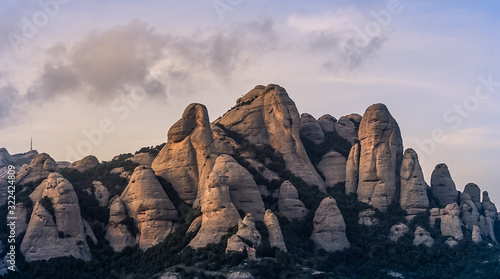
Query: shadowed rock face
x,y
310,129
475,194
189,155
39,168
329,227
58,233
266,115
149,205
469,212
442,185
450,222
117,232
413,187
333,168
381,154
352,170
423,237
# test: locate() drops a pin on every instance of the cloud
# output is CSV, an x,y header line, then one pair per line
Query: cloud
x,y
339,37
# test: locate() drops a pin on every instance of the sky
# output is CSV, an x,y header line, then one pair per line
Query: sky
x,y
87,77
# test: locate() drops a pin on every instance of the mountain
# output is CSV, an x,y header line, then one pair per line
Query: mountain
x,y
261,192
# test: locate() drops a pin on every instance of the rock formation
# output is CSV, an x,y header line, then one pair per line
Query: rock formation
x,y
352,170
195,225
266,115
142,159
85,163
289,204
333,168
57,230
476,234
119,233
243,190
223,143
218,212
442,185
397,231
470,214
149,206
21,214
475,194
274,230
39,168
435,213
240,275
101,193
413,187
423,237
368,217
247,235
381,154
450,222
489,206
310,129
329,227
451,242
327,123
346,127
189,154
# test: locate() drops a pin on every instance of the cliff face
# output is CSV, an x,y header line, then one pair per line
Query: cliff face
x,y
250,199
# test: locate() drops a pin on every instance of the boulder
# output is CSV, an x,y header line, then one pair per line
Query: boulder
x,y
476,234
329,227
218,212
84,164
327,123
240,275
243,190
119,232
333,168
423,237
101,193
397,231
57,230
413,198
470,214
248,232
346,127
381,154
475,194
236,244
267,115
188,157
39,168
274,230
451,242
310,129
149,206
21,214
289,204
367,217
442,185
352,170
450,222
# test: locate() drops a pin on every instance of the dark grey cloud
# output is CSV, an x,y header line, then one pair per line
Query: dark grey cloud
x,y
9,101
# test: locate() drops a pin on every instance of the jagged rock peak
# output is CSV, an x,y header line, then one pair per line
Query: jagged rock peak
x,y
442,185
267,115
188,157
310,129
329,227
56,231
85,164
327,123
150,207
381,154
489,206
413,187
39,168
